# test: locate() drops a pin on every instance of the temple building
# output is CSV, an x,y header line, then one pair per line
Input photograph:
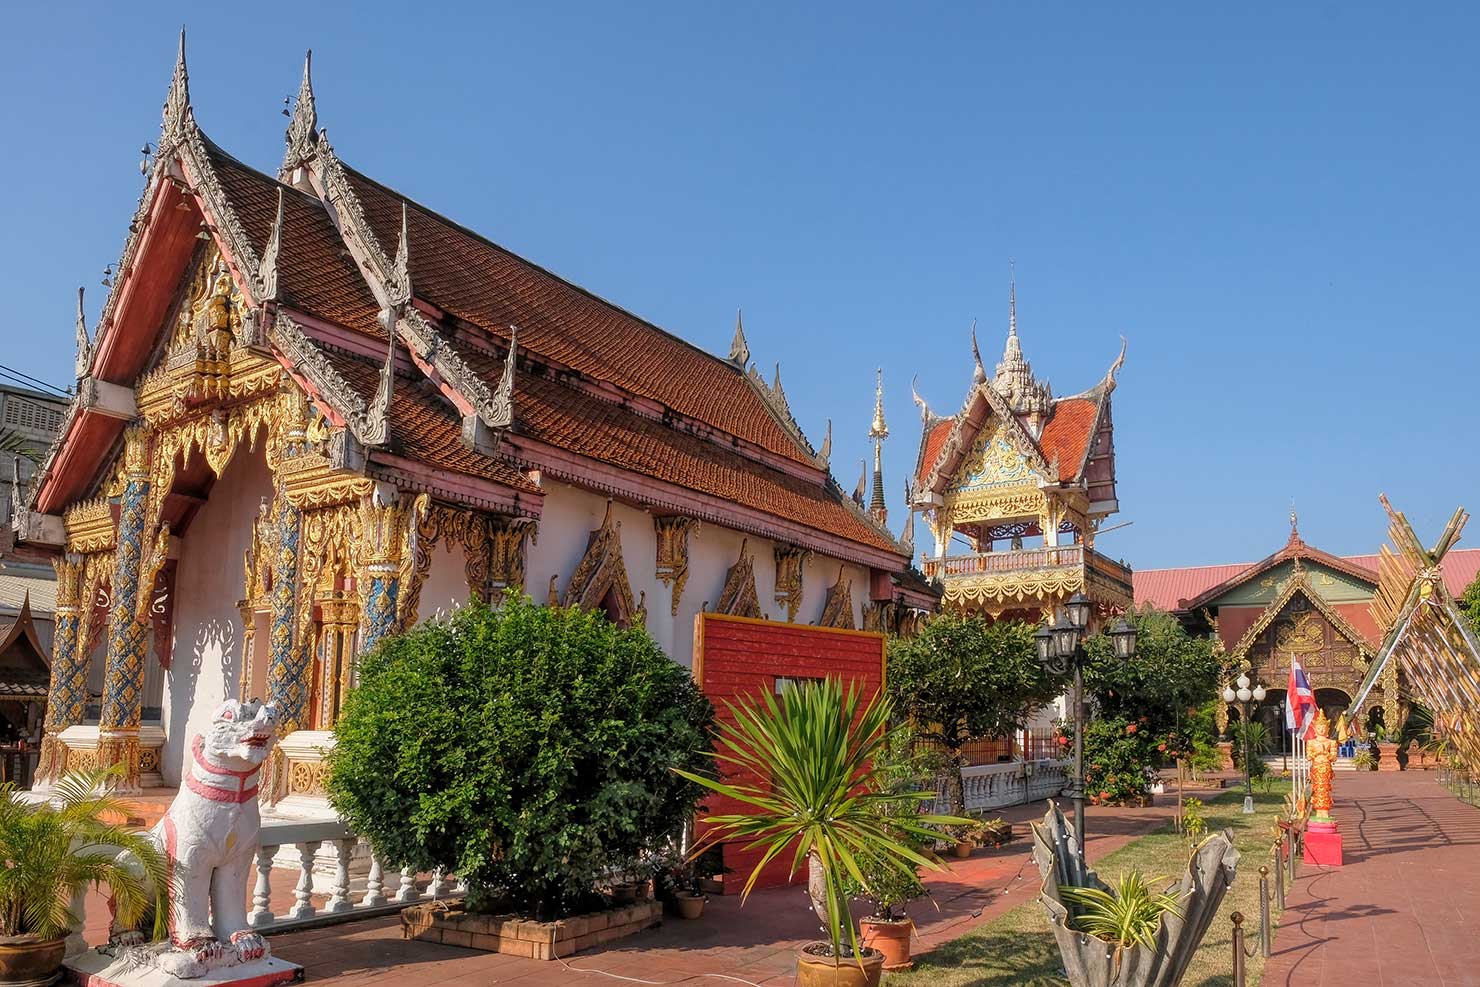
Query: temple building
x,y
1304,602
313,412
1014,487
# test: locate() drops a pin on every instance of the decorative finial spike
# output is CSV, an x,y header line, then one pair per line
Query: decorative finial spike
x,y
504,400
824,455
83,361
1109,381
739,348
302,131
925,413
979,372
378,415
176,103
859,490
1294,522
1012,298
879,430
401,267
267,274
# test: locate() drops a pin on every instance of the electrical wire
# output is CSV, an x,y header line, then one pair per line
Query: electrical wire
x,y
659,983
20,377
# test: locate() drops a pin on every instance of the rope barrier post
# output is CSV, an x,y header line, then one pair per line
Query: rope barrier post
x,y
1238,949
1280,849
1290,861
1266,930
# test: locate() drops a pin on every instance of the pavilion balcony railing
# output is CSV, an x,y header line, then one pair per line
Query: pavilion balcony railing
x,y
1097,566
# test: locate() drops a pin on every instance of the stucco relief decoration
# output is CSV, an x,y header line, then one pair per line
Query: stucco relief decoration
x,y
790,562
837,609
209,838
994,462
1012,504
673,552
738,598
602,572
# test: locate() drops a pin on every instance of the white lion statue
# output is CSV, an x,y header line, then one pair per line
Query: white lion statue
x,y
209,840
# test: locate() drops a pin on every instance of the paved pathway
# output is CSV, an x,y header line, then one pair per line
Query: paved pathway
x,y
755,945
1405,910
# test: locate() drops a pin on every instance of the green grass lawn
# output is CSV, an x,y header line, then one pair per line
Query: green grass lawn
x,y
1018,949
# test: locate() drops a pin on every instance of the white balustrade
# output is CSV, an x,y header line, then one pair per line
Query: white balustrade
x,y
996,786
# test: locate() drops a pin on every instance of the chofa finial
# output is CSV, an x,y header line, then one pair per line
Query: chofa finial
x,y
824,454
401,266
503,401
84,346
979,372
925,413
302,131
267,268
176,104
739,348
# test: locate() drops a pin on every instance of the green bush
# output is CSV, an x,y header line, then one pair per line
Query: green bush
x,y
527,749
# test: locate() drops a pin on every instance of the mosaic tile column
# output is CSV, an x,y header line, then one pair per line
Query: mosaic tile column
x,y
128,630
66,697
287,668
384,520
379,618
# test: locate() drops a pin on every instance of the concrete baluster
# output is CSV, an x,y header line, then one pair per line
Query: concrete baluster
x,y
303,892
339,895
261,913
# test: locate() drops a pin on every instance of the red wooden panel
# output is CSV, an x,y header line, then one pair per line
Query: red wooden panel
x,y
739,658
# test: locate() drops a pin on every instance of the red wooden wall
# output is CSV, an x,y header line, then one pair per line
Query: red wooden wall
x,y
739,657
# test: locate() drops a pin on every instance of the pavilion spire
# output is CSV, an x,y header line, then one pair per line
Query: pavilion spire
x,y
739,348
1014,380
878,431
176,105
302,134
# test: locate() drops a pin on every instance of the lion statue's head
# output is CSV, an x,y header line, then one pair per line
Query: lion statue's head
x,y
241,734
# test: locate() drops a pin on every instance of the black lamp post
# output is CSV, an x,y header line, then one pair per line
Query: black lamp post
x,y
1061,650
1239,691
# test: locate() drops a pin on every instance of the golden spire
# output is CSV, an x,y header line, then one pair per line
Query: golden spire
x,y
879,430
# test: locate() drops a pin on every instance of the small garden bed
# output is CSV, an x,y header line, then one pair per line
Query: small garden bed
x,y
447,923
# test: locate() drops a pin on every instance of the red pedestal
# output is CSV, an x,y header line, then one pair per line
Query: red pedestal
x,y
1322,844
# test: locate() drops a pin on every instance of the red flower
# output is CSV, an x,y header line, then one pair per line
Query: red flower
x,y
1104,796
1063,741
1131,728
1161,747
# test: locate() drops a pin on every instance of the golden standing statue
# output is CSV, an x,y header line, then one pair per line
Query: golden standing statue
x,y
1322,751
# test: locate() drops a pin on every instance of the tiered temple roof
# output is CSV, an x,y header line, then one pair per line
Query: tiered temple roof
x,y
349,277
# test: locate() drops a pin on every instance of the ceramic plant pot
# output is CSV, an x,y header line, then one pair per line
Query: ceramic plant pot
x,y
890,937
817,969
32,963
962,849
690,905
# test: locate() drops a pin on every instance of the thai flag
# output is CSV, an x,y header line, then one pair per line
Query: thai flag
x,y
1300,704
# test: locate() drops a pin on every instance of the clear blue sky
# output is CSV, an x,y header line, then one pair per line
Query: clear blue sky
x,y
1277,209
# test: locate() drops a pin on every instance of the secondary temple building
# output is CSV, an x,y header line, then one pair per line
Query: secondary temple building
x,y
1014,487
1300,601
313,412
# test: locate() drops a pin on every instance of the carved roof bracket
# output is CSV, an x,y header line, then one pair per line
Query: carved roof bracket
x,y
431,349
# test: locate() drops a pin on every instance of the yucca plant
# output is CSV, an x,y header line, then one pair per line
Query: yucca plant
x,y
826,804
1128,914
52,850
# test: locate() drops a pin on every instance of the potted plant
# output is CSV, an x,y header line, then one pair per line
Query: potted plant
x,y
689,879
887,928
827,805
1364,759
53,851
1387,750
1123,915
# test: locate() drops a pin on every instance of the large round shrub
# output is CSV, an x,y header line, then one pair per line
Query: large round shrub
x,y
526,749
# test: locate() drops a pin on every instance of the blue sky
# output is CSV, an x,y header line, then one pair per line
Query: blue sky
x,y
1277,208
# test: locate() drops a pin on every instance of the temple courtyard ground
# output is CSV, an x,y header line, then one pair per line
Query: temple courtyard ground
x,y
755,944
1405,909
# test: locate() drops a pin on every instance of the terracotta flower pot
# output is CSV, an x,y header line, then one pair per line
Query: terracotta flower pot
x,y
816,969
890,937
690,905
624,894
962,849
31,963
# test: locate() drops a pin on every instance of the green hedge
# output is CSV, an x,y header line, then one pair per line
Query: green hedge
x,y
527,749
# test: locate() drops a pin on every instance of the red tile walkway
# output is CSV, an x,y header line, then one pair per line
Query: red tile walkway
x,y
1405,909
755,944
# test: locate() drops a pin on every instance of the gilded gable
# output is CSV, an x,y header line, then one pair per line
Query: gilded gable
x,y
995,461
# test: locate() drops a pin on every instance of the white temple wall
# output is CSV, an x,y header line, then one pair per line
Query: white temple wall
x,y
206,665
446,585
571,514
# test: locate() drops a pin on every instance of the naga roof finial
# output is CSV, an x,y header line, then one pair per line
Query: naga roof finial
x,y
504,400
401,266
84,345
739,348
925,412
979,372
377,416
267,269
302,134
176,105
824,454
1109,381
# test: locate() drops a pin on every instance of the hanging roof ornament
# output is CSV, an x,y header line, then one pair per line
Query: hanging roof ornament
x,y
302,134
739,348
176,106
84,345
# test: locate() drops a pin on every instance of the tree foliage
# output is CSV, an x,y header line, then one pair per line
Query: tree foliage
x,y
1146,709
527,749
1469,603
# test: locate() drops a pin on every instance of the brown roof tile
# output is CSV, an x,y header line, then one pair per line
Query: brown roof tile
x,y
315,272
486,285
